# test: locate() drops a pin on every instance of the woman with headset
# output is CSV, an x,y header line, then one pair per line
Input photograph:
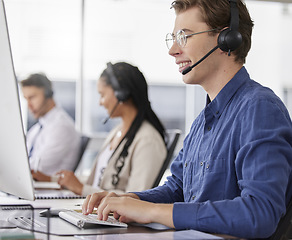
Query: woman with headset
x,y
134,151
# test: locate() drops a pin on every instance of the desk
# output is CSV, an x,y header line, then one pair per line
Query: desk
x,y
76,204
52,203
44,203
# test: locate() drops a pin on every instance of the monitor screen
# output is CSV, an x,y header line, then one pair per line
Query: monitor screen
x,y
15,176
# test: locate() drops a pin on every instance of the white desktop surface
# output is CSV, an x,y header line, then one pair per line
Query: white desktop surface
x,y
77,204
40,203
44,203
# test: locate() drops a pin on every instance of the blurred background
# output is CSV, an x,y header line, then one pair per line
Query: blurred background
x,y
72,40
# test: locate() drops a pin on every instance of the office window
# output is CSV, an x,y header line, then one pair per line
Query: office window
x,y
168,102
45,37
128,31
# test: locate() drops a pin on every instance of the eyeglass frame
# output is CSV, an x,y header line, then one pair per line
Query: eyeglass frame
x,y
174,37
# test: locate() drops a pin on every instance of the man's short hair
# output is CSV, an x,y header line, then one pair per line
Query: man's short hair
x,y
41,81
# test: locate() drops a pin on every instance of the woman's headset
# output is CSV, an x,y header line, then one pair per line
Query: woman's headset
x,y
122,94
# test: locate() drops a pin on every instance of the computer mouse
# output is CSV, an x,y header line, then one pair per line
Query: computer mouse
x,y
53,212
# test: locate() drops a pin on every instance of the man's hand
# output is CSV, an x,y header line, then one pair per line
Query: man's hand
x,y
128,208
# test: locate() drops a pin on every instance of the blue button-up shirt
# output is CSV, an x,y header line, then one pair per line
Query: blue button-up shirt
x,y
233,174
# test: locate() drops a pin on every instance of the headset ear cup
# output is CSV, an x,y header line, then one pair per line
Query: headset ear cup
x,y
48,93
229,40
122,95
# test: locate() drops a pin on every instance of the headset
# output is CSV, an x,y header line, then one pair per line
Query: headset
x,y
40,80
230,38
48,92
122,94
43,82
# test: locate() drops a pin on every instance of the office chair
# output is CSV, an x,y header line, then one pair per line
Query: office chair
x,y
284,228
84,143
173,136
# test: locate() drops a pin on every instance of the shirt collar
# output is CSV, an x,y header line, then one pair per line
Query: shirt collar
x,y
218,105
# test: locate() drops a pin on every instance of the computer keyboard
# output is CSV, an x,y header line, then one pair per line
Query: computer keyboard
x,y
28,223
89,221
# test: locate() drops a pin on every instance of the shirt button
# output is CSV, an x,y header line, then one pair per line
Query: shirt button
x,y
186,164
201,163
193,197
207,166
209,128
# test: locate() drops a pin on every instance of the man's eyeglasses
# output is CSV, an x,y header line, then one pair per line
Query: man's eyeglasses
x,y
181,37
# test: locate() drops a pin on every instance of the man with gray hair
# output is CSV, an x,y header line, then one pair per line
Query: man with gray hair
x,y
52,143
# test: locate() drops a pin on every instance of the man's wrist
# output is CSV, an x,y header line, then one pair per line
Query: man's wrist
x,y
132,195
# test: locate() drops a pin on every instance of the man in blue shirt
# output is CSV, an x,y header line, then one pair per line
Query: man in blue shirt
x,y
233,174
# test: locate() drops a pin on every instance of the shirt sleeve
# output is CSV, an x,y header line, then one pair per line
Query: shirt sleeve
x,y
263,169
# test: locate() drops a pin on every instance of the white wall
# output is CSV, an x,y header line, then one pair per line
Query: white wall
x,y
269,61
46,34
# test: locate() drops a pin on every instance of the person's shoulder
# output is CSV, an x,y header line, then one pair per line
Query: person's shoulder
x,y
61,119
258,91
255,96
255,92
146,126
147,130
62,114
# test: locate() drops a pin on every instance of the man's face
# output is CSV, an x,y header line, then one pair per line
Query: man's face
x,y
36,101
196,47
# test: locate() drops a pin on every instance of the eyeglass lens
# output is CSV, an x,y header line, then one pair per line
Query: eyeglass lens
x,y
180,38
169,39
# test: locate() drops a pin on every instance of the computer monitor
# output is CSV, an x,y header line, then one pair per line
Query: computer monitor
x,y
15,176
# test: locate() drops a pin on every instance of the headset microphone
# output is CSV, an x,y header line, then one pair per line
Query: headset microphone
x,y
188,69
109,116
